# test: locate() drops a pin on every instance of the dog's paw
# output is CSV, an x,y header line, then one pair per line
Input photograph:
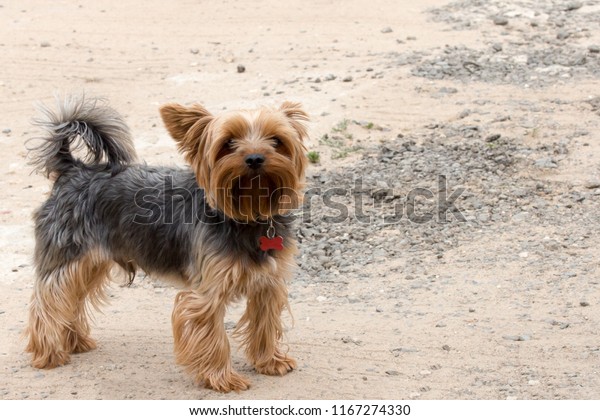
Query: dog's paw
x,y
50,361
231,381
278,366
84,344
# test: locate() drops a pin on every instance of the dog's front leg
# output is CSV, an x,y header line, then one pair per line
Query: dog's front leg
x,y
260,328
201,343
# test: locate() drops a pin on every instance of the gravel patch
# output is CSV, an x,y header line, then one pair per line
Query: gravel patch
x,y
529,43
423,194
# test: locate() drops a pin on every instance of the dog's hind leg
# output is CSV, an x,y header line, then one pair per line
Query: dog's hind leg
x,y
93,274
58,312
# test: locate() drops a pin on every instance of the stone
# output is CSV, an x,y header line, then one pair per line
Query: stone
x,y
500,20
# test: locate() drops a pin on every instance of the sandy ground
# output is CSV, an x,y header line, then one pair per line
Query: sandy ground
x,y
504,321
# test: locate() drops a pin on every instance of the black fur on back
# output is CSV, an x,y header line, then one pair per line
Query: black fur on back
x,y
143,216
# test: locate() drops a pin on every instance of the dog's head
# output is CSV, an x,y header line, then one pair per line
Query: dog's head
x,y
250,163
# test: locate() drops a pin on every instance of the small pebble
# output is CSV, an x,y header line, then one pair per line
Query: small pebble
x,y
594,49
386,30
446,347
241,68
523,337
583,303
573,5
546,162
500,20
392,372
351,340
347,79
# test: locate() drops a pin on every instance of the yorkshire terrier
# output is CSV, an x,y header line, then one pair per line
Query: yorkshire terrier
x,y
223,227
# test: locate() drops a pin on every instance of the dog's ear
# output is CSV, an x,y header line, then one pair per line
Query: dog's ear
x,y
297,117
186,125
179,119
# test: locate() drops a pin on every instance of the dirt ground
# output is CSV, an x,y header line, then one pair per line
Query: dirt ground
x,y
500,97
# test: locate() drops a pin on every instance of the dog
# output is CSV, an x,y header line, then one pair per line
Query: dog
x,y
223,227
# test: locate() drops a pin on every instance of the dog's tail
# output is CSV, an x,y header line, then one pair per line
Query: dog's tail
x,y
81,123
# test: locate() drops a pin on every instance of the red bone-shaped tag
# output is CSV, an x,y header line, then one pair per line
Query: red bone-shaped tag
x,y
275,242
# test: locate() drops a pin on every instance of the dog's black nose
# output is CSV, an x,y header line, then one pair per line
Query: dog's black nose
x,y
255,161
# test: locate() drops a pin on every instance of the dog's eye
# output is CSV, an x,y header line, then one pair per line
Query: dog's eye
x,y
277,141
229,144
